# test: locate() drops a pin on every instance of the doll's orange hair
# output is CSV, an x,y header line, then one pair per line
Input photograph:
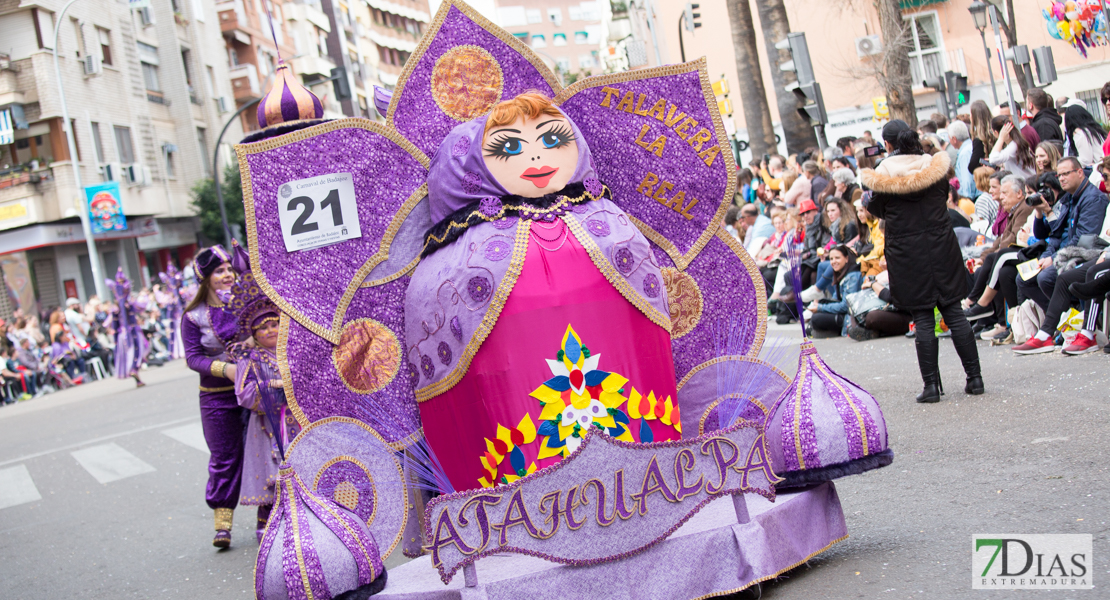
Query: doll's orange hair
x,y
524,106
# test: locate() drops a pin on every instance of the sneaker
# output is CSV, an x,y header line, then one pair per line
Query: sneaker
x,y
1080,345
977,312
861,334
990,334
1035,346
1006,341
24,396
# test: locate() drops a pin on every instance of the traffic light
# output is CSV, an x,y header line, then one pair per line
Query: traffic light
x,y
799,62
811,103
689,17
958,94
940,84
340,84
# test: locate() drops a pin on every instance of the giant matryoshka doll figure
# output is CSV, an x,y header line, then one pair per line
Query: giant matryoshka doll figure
x,y
537,311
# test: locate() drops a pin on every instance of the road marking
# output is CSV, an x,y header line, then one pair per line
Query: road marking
x,y
94,440
191,435
16,487
1049,439
109,462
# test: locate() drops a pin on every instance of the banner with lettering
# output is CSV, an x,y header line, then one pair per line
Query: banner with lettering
x,y
607,501
659,144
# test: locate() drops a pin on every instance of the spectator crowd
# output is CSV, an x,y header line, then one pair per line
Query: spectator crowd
x,y
1027,200
75,344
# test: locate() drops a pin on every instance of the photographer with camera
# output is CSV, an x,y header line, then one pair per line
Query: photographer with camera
x,y
1078,212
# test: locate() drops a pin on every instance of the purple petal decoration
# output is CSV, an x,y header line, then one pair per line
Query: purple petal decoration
x,y
593,186
461,147
598,228
651,286
456,328
490,205
427,367
498,250
624,260
472,182
444,353
479,288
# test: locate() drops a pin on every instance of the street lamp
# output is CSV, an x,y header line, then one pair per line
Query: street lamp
x,y
86,226
978,12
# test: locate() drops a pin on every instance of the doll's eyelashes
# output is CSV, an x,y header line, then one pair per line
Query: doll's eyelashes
x,y
557,137
504,147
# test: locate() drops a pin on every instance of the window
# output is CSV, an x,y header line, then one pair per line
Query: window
x,y
187,63
98,143
213,91
534,15
202,145
580,37
79,36
562,64
555,15
574,13
559,39
927,53
169,164
148,57
322,41
586,61
124,149
538,41
105,39
233,57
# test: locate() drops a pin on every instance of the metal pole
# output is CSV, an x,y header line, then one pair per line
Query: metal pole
x,y
990,69
1005,72
681,46
216,170
651,28
86,226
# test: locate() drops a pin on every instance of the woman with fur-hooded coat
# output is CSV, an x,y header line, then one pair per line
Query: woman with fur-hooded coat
x,y
910,190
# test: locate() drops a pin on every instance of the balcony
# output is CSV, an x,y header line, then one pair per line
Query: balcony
x,y
402,8
10,90
244,82
234,23
392,37
308,12
312,65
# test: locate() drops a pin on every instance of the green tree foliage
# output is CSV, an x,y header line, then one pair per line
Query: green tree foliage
x,y
208,208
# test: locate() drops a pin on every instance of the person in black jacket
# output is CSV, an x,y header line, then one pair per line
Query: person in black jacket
x,y
1045,120
926,269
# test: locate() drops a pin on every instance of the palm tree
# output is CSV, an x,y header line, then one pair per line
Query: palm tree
x,y
799,133
753,96
893,69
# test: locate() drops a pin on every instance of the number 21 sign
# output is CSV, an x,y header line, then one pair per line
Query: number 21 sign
x,y
318,211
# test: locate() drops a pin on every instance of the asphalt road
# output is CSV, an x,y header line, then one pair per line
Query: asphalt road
x,y
102,486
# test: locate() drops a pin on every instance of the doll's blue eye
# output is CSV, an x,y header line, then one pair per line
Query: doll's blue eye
x,y
558,136
512,147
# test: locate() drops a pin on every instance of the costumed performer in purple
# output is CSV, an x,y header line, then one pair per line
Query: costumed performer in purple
x,y
206,331
257,375
131,344
172,303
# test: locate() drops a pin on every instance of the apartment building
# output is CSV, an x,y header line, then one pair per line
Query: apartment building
x,y
147,91
567,34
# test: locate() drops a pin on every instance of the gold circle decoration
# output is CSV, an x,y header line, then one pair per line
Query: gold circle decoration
x,y
683,300
368,356
467,82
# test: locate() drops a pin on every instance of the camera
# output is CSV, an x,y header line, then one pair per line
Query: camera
x,y
873,151
1037,197
1048,187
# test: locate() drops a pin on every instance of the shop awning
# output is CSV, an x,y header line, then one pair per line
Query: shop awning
x,y
56,234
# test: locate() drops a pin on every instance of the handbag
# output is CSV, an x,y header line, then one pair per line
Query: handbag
x,y
864,301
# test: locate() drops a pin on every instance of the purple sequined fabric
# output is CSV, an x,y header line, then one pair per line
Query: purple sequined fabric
x,y
348,472
651,286
416,114
456,329
624,166
461,147
624,260
853,411
427,367
593,185
369,157
472,182
506,223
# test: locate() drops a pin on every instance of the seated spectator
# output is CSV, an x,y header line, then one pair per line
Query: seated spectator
x,y
955,215
732,215
986,205
997,265
817,238
21,381
811,170
745,193
1045,120
958,136
872,241
63,356
1079,211
28,361
880,323
1084,136
1069,290
799,188
844,186
829,316
757,228
1011,152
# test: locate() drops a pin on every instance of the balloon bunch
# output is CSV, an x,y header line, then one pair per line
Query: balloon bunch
x,y
1081,23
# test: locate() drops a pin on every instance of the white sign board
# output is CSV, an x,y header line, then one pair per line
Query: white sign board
x,y
318,211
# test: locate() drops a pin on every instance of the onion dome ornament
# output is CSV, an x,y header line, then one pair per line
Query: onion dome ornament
x,y
823,426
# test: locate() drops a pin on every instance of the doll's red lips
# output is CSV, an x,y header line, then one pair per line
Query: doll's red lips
x,y
540,176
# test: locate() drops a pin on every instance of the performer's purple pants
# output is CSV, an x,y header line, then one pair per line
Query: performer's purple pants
x,y
224,423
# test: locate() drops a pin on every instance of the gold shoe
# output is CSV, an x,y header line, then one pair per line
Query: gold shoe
x,y
223,517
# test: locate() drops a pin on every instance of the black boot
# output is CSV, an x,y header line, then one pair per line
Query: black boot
x,y
1090,290
969,356
930,371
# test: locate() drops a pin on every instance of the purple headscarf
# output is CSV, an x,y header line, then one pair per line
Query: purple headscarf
x,y
209,259
458,175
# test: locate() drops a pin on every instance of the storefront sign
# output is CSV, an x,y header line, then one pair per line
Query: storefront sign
x,y
105,207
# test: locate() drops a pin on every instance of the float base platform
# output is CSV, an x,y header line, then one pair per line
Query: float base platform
x,y
710,555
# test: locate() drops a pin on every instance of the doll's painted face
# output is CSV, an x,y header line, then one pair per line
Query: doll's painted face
x,y
532,157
